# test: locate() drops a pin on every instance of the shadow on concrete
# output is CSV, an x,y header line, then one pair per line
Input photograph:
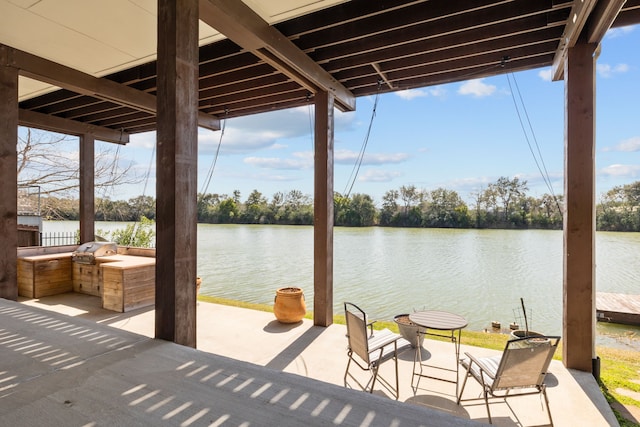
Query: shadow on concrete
x,y
275,327
293,350
85,306
439,403
550,380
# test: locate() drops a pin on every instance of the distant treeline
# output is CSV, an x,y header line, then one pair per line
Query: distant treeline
x,y
502,204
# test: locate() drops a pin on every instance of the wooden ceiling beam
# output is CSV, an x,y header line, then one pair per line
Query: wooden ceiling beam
x,y
244,109
366,87
500,47
412,17
629,15
246,28
601,19
457,24
575,24
41,69
70,127
227,100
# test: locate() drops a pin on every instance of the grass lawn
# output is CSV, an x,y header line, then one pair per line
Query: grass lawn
x,y
619,374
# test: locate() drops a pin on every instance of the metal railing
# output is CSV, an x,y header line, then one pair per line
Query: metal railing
x,y
59,238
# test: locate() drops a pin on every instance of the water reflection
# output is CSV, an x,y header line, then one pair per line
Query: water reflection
x,y
480,274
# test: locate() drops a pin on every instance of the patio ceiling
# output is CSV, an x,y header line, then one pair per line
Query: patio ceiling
x,y
279,56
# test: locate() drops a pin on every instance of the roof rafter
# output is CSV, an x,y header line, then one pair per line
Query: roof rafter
x,y
575,24
44,70
601,19
37,120
241,24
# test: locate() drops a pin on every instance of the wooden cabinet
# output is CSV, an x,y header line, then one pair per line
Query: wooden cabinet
x,y
87,278
128,284
124,282
44,275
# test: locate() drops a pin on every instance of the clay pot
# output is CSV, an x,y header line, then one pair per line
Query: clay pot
x,y
289,306
537,338
409,330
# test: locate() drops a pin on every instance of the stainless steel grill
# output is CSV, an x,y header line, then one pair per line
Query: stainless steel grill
x,y
88,252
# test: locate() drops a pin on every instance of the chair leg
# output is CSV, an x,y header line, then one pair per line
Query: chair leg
x,y
464,383
397,390
346,372
486,403
546,401
374,369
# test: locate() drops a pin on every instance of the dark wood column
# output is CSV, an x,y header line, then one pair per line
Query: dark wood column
x,y
176,189
323,211
579,216
8,178
87,188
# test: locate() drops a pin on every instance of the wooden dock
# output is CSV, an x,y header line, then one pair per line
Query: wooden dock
x,y
618,308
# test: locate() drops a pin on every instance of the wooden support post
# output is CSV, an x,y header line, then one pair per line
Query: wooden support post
x,y
177,162
323,211
8,178
579,216
87,188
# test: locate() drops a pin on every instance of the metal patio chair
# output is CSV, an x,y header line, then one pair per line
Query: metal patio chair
x,y
368,349
521,368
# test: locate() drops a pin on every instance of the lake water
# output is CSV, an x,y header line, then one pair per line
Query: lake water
x,y
479,274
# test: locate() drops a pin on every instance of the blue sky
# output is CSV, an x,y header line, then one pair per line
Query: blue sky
x,y
459,136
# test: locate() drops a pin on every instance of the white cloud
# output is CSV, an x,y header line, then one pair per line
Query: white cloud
x,y
476,88
377,175
409,94
606,70
628,145
621,170
613,33
349,157
437,91
144,140
248,134
546,74
279,163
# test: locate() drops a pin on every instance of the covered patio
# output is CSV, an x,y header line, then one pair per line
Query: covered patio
x,y
69,362
106,70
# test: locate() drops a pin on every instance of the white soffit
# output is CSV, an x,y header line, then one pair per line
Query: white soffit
x,y
100,37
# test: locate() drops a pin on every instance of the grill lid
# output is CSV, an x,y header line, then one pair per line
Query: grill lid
x,y
87,252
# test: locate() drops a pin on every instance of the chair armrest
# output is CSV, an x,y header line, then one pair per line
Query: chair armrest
x,y
370,325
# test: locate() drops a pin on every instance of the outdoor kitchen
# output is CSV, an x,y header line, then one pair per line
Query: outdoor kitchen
x,y
123,277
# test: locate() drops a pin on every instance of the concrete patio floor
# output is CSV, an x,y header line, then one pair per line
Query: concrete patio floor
x,y
313,352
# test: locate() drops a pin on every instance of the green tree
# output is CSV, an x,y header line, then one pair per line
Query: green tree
x,y
228,211
139,234
275,209
509,192
143,206
298,208
255,208
389,207
411,197
619,209
445,208
356,211
207,206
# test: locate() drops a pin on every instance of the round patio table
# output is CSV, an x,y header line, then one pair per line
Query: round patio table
x,y
439,321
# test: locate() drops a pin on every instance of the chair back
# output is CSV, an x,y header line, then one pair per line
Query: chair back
x,y
525,362
357,330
